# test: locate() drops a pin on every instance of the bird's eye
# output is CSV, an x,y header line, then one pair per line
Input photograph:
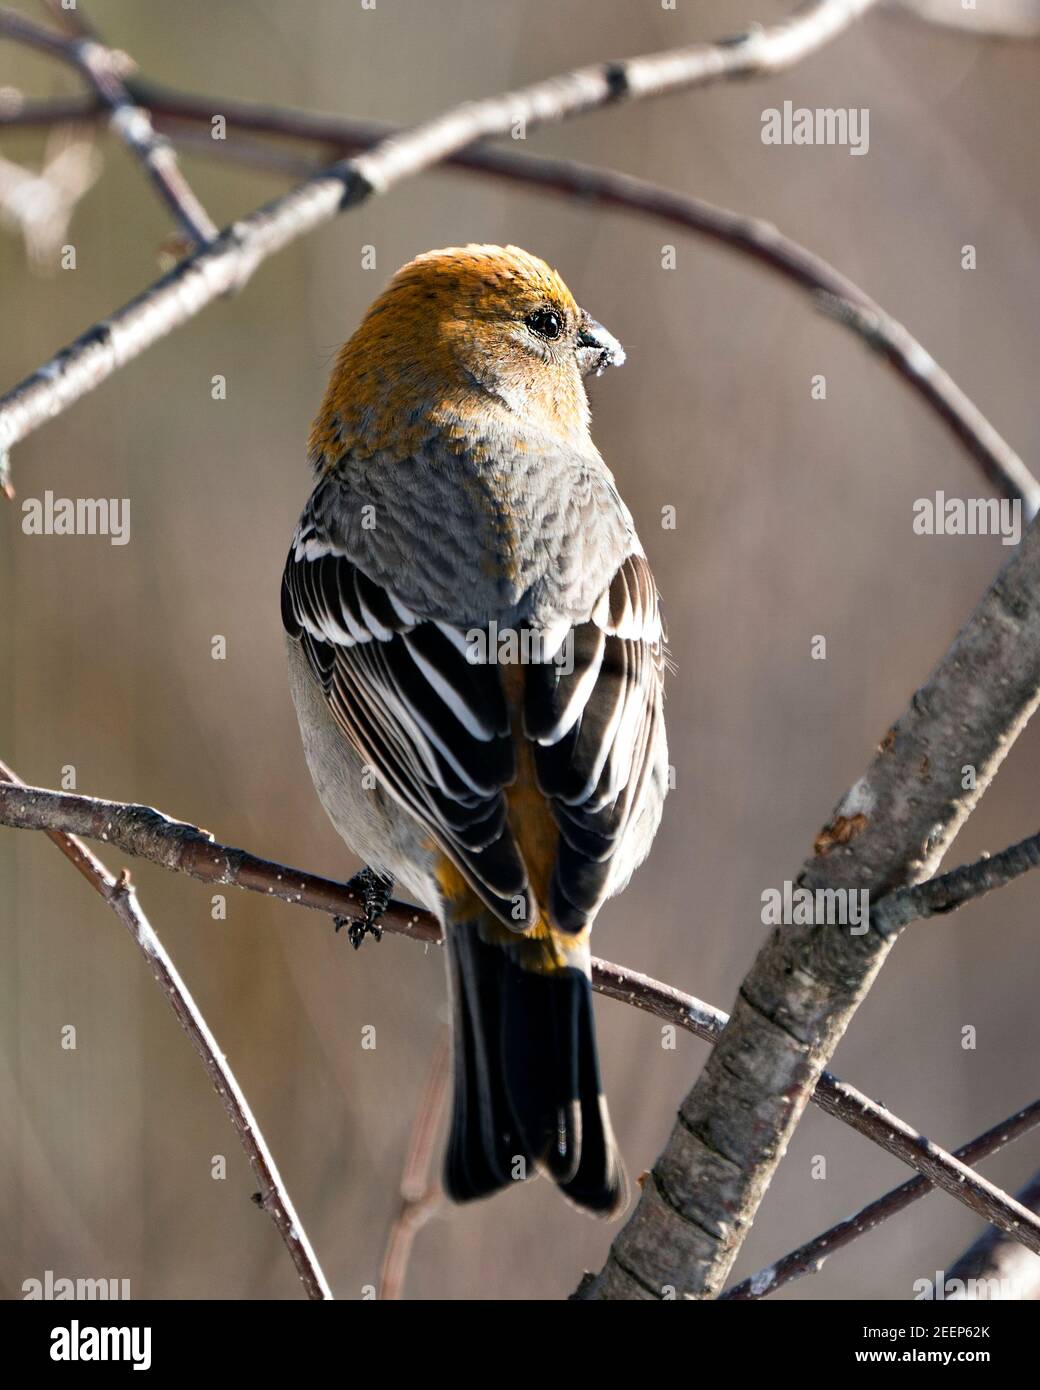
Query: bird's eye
x,y
547,323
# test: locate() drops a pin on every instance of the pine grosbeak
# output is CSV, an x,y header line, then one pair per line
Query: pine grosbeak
x,y
476,658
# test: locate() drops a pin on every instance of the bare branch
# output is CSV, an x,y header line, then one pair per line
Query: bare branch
x,y
995,1267
130,122
19,111
809,1258
952,890
19,28
273,1196
832,292
837,1098
999,462
148,834
799,997
420,1190
804,988
176,845
229,262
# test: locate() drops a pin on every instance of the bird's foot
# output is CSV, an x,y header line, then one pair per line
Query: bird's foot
x,y
374,892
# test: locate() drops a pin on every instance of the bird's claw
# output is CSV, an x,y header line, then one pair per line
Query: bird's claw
x,y
374,891
357,929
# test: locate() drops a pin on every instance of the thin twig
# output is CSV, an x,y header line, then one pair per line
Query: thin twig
x,y
949,891
184,848
146,833
273,1196
229,262
420,1190
809,1258
995,1267
130,122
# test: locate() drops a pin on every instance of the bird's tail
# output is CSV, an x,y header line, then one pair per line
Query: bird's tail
x,y
527,1087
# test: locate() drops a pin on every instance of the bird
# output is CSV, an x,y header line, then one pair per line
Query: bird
x,y
476,657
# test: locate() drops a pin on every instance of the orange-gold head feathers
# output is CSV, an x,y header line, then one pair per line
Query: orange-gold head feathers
x,y
466,329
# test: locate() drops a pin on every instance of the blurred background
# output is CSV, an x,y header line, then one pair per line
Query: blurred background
x,y
793,519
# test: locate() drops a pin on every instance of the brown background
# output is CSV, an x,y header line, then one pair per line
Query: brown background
x,y
794,519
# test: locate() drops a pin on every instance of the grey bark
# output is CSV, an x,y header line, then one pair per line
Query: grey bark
x,y
995,1268
801,993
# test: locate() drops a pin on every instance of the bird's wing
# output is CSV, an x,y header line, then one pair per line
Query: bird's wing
x,y
597,732
439,729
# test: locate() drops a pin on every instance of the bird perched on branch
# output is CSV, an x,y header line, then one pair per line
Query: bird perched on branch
x,y
476,658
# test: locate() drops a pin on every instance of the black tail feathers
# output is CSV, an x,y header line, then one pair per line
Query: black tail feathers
x,y
527,1087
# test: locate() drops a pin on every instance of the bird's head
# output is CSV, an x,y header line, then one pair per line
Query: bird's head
x,y
467,329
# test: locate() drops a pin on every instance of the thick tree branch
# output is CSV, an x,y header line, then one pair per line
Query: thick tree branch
x,y
177,845
844,1102
273,1196
229,262
809,1258
799,997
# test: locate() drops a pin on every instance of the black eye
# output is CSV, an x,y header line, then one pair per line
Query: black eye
x,y
547,323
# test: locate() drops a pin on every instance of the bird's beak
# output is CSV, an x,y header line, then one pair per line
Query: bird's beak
x,y
597,349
